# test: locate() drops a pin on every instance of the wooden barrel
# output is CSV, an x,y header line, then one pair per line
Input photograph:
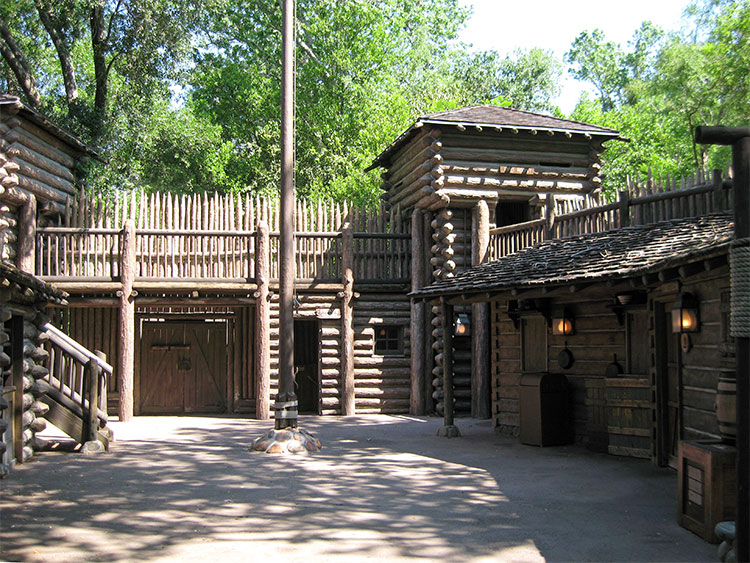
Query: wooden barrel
x,y
726,406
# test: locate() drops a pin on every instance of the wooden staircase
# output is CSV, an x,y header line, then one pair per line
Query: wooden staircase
x,y
77,380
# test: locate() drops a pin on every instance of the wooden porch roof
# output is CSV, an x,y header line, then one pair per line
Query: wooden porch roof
x,y
610,255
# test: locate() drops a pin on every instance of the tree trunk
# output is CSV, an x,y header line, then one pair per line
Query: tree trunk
x,y
17,63
99,46
66,61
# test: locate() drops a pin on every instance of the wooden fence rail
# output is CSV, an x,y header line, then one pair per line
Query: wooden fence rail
x,y
80,254
642,209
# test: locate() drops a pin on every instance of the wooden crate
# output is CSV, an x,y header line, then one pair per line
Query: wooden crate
x,y
629,416
707,474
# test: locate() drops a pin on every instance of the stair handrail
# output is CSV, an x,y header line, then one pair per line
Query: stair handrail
x,y
91,396
70,346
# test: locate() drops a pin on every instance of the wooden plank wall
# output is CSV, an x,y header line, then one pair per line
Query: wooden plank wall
x,y
708,358
598,337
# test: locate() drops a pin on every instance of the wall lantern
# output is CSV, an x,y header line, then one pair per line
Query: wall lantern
x,y
685,314
563,325
463,325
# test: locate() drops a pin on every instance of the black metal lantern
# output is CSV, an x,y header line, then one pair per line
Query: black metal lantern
x,y
463,325
685,314
563,325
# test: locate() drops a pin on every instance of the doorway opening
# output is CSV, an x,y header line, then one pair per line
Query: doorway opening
x,y
306,365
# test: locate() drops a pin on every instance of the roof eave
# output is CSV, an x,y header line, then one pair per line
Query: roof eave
x,y
379,161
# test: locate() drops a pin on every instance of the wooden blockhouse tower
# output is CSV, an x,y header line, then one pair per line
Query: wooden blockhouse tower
x,y
458,174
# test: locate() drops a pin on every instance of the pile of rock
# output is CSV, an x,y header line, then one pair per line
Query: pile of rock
x,y
287,441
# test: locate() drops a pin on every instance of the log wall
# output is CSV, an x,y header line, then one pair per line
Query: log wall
x,y
23,359
381,382
40,160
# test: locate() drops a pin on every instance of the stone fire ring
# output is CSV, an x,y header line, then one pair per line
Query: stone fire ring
x,y
287,441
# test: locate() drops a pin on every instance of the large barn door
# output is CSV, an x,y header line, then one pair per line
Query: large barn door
x,y
183,367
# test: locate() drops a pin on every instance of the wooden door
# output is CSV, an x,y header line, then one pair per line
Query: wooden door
x,y
306,346
534,344
183,367
668,377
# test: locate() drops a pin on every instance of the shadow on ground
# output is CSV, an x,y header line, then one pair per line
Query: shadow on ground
x,y
383,488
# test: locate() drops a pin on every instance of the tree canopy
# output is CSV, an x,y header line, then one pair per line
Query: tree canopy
x,y
184,95
659,89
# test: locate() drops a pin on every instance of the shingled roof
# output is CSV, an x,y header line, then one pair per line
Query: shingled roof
x,y
615,254
492,117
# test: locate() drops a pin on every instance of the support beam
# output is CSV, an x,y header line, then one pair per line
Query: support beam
x,y
480,319
262,324
449,429
125,364
347,322
26,256
416,399
739,138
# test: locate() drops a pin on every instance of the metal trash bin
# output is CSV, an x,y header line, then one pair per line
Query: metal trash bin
x,y
543,401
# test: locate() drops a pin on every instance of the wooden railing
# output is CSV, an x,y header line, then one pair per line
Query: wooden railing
x,y
645,209
163,254
382,256
94,255
512,238
78,379
70,253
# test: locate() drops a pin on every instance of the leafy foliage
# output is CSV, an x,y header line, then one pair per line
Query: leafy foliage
x,y
659,91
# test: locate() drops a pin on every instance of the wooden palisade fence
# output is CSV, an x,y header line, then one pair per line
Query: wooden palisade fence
x,y
202,237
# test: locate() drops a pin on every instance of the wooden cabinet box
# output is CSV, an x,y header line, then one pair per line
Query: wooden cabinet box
x,y
707,474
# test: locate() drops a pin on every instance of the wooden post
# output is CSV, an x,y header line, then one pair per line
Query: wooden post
x,y
429,353
480,321
286,400
347,322
549,223
623,200
416,402
127,321
448,430
26,256
717,199
102,389
92,373
17,370
262,324
739,138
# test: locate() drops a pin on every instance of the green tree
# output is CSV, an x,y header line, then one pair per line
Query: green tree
x,y
657,93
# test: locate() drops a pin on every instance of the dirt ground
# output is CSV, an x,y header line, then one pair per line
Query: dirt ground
x,y
383,488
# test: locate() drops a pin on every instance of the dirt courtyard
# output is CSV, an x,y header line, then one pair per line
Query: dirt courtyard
x,y
383,488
